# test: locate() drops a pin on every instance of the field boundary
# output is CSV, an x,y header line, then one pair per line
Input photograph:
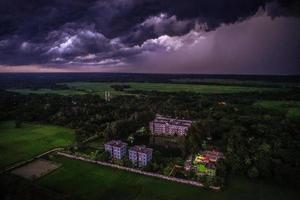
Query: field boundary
x,y
137,171
58,151
19,164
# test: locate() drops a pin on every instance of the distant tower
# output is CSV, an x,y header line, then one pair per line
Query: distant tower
x,y
107,96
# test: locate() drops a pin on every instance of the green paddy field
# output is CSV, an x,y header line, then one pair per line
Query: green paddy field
x,y
81,180
99,88
17,144
291,109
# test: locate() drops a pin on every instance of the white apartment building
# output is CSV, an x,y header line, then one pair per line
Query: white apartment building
x,y
169,126
116,148
140,155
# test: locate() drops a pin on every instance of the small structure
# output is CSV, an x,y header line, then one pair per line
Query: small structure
x,y
188,163
140,155
169,126
213,155
107,96
222,103
205,162
116,148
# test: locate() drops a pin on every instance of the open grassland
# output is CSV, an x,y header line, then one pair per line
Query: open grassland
x,y
290,108
99,88
48,91
206,89
94,88
81,180
76,88
235,82
17,144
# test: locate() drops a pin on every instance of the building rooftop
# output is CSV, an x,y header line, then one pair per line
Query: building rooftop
x,y
164,120
213,155
208,157
116,143
141,149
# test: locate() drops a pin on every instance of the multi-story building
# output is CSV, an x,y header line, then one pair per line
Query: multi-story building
x,y
140,155
169,126
116,148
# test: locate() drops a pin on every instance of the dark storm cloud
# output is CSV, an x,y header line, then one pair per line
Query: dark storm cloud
x,y
244,48
115,32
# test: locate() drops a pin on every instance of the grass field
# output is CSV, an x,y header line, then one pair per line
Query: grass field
x,y
76,88
17,144
48,91
94,88
79,88
81,180
206,89
290,108
235,82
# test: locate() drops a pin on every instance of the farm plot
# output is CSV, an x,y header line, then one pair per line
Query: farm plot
x,y
99,88
81,180
291,109
18,144
36,169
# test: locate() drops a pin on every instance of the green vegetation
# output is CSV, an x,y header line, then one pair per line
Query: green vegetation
x,y
98,88
220,81
48,91
94,88
206,89
17,144
96,144
294,113
16,188
256,136
290,108
167,141
76,88
201,168
80,180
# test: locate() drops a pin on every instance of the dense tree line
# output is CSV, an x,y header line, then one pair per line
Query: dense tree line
x,y
257,142
49,80
120,87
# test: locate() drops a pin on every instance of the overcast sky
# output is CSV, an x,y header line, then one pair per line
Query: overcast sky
x,y
151,36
